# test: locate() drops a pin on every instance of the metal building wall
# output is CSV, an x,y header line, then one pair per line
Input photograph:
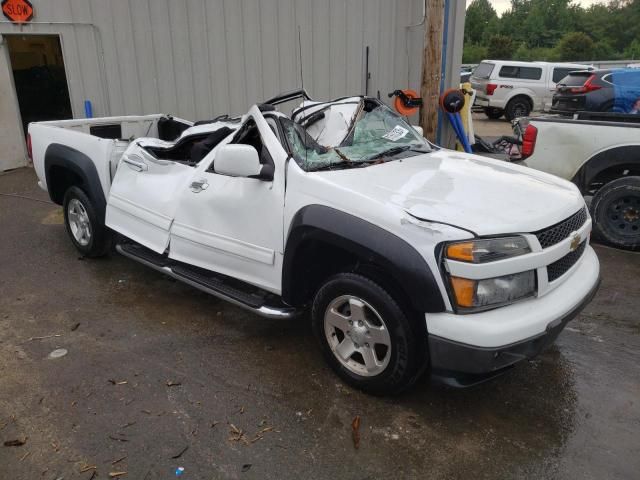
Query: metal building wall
x,y
200,58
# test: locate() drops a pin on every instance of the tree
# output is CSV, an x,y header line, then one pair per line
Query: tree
x,y
480,14
632,52
474,53
538,30
500,48
576,46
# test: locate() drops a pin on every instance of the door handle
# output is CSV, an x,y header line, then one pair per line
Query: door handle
x,y
137,165
199,185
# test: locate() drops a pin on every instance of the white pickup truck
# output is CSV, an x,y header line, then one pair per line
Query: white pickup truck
x,y
407,255
600,153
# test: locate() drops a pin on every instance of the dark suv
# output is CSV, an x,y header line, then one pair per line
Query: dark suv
x,y
600,91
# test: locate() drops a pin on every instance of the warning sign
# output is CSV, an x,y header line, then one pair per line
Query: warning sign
x,y
18,11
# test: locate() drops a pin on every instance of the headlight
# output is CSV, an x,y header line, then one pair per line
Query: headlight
x,y
493,292
475,295
487,249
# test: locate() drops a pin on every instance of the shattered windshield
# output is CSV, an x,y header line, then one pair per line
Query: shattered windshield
x,y
377,135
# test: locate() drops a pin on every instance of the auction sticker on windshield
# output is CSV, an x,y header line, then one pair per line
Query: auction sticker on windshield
x,y
396,134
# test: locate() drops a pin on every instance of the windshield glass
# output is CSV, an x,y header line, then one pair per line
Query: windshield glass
x,y
378,134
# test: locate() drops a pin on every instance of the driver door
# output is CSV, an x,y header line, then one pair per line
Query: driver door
x,y
144,196
234,225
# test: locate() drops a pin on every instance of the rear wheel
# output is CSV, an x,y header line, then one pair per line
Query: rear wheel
x,y
493,113
366,336
616,212
87,232
517,107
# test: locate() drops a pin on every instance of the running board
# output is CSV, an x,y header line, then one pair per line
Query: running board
x,y
208,282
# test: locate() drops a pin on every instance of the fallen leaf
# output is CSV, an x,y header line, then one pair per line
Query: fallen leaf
x,y
86,468
246,467
116,474
118,460
179,454
355,430
31,339
115,382
75,327
15,443
173,384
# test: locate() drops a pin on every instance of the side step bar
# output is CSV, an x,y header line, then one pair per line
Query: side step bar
x,y
209,284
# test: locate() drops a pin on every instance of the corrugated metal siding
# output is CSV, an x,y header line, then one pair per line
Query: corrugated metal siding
x,y
200,58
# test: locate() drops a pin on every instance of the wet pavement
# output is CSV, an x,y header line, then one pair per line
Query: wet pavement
x,y
157,370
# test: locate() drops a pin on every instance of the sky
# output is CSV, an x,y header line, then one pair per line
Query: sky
x,y
502,5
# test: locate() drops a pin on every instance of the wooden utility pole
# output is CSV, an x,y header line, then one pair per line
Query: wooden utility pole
x,y
431,67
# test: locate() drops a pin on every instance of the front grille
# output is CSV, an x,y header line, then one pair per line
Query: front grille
x,y
558,232
560,267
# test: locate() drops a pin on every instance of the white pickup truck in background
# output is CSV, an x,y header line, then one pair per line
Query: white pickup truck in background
x,y
600,153
408,256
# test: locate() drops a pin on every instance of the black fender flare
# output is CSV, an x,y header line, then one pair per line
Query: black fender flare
x,y
368,242
617,156
68,158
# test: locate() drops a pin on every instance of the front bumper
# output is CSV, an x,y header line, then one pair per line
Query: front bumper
x,y
528,327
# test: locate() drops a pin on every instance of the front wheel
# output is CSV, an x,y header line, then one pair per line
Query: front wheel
x,y
366,336
87,232
616,212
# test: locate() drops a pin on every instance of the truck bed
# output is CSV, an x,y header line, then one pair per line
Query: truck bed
x,y
103,139
564,145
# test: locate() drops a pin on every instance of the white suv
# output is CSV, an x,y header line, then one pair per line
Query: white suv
x,y
515,89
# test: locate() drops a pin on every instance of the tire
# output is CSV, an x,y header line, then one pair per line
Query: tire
x,y
616,212
517,107
85,229
493,113
377,316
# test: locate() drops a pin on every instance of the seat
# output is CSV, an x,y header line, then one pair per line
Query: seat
x,y
200,149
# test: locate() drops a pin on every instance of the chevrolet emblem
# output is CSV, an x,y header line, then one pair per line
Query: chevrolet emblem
x,y
575,241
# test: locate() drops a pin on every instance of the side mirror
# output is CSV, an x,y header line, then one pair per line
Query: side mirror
x,y
237,160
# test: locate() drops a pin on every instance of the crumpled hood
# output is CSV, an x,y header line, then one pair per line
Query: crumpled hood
x,y
479,194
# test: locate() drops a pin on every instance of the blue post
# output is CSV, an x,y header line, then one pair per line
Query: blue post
x,y
88,109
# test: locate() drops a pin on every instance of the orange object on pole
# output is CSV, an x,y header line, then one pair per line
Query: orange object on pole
x,y
403,109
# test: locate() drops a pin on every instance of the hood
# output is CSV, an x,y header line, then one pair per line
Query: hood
x,y
479,194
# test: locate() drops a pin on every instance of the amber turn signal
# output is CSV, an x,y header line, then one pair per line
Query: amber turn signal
x,y
461,251
464,290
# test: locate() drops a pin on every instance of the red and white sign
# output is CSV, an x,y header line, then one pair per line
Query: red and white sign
x,y
18,11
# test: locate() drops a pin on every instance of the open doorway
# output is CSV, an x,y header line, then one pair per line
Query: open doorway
x,y
39,77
